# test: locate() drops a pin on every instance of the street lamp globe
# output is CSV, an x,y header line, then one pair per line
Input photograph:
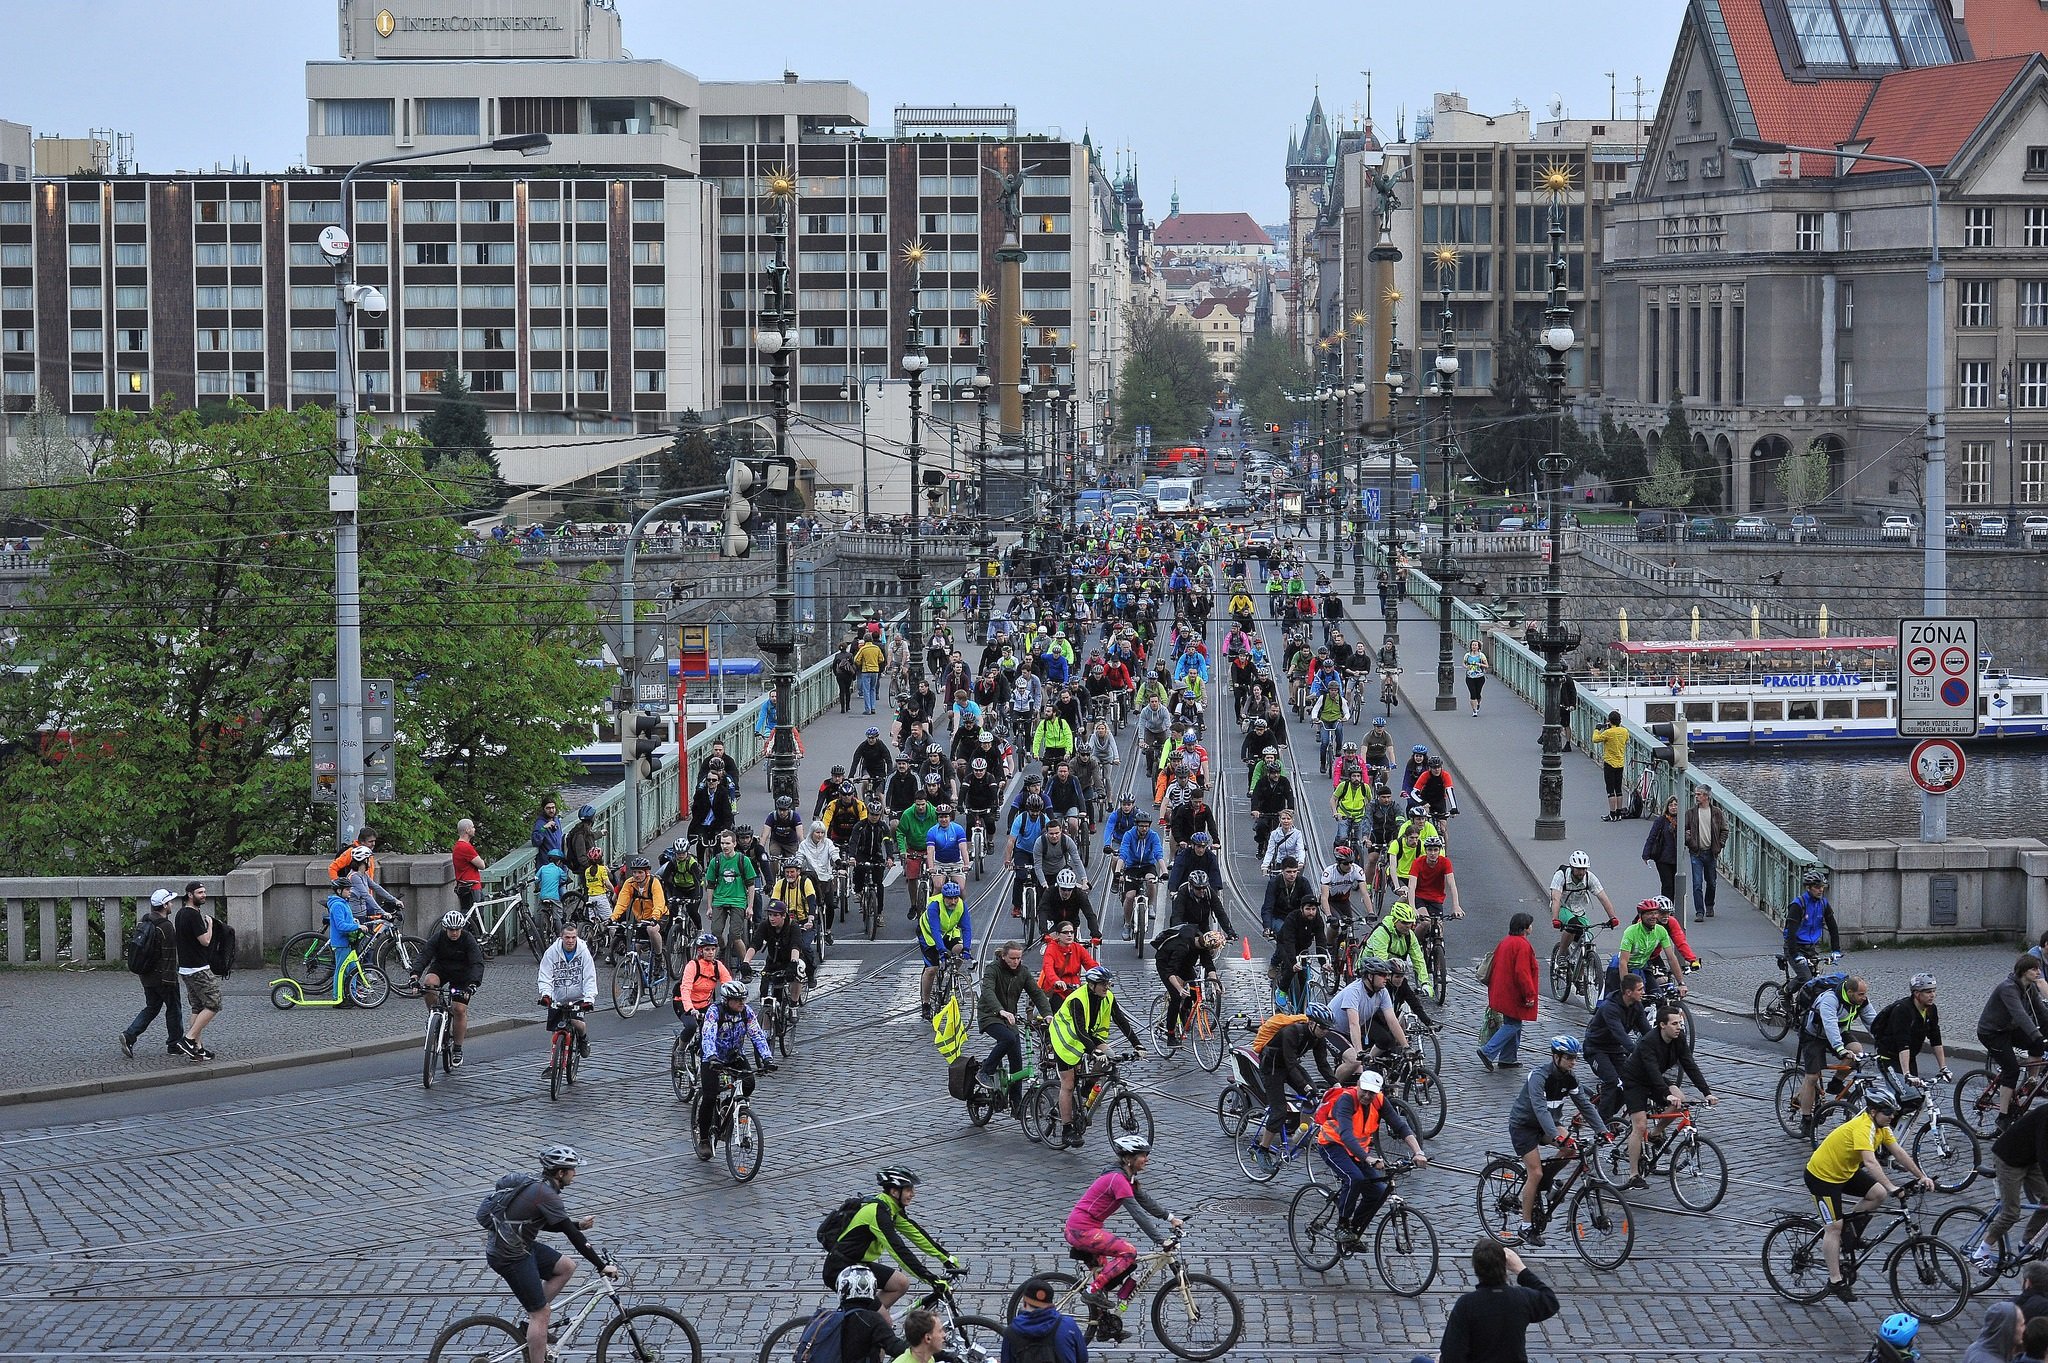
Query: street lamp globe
x,y
1358,389
1558,338
1447,363
914,363
1024,388
768,341
980,380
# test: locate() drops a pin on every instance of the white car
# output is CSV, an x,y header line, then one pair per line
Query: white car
x,y
1991,527
2036,524
1896,528
1750,528
1512,523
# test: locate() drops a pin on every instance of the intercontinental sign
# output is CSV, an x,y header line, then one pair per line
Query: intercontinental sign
x,y
388,23
451,29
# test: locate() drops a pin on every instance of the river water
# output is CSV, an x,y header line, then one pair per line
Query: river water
x,y
1867,793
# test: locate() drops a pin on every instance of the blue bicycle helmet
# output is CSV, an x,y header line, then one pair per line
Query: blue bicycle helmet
x,y
951,889
1899,1330
1420,750
1566,1045
1319,1014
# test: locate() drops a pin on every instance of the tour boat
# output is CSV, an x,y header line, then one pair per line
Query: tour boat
x,y
1784,692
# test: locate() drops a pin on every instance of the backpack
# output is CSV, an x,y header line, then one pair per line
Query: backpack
x,y
221,951
490,1213
1809,995
1023,1348
145,948
833,1228
820,1340
1272,1025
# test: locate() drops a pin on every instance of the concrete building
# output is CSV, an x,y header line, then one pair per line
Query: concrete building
x,y
1223,322
1782,301
17,158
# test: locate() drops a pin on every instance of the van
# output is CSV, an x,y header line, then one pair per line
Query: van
x,y
1656,525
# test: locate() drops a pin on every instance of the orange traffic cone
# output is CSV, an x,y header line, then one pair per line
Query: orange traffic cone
x,y
1247,948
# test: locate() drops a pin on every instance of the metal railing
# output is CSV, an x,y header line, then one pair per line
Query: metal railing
x,y
1760,859
78,921
1781,619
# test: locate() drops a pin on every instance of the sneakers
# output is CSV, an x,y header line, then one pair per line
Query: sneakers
x,y
1843,1290
1985,1261
455,1058
1637,1181
1485,1060
583,1047
1529,1235
201,1053
704,1151
183,1046
1806,1128
128,1045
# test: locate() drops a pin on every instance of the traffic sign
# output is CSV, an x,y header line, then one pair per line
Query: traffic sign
x,y
1372,503
1937,765
1937,678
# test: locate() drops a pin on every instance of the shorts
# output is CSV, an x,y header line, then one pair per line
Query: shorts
x,y
1643,1100
202,990
1613,775
1814,1053
528,1276
1526,1138
1831,1195
933,955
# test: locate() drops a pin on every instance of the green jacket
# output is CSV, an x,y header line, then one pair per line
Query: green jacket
x,y
1052,733
881,1223
1003,989
911,828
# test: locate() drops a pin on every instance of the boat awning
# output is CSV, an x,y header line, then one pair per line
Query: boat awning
x,y
1665,647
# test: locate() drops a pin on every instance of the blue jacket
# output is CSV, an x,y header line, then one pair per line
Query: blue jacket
x,y
1115,826
341,921
1807,919
727,1039
1141,847
1069,1345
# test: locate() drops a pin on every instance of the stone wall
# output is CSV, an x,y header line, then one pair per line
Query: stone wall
x,y
1886,890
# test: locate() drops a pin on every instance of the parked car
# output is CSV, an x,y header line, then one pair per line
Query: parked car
x,y
1656,525
1512,523
1750,528
1896,528
2036,524
1989,527
1704,528
1805,527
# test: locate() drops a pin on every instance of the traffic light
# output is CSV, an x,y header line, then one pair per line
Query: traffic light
x,y
742,486
934,481
1670,749
648,731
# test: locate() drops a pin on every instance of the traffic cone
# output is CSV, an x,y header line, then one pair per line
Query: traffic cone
x,y
1247,948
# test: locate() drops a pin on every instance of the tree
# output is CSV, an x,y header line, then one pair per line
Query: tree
x,y
691,462
456,425
44,452
1620,458
1513,434
1802,477
1670,483
1167,380
1269,370
188,606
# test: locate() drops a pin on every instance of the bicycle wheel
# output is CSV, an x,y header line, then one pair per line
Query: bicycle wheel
x,y
1405,1250
479,1339
1425,1038
1698,1172
780,1346
1065,1287
1258,1167
532,932
1929,1279
1963,1228
436,1020
558,1065
1155,1026
1773,1017
1948,1153
1560,972
308,959
1785,1101
368,987
1499,1197
682,1075
1041,1112
1424,1094
400,957
1206,1032
871,910
1197,1317
744,1146
1439,986
1794,1262
1976,1102
626,984
1830,1115
649,1334
1126,1114
1312,1227
1233,1111
1587,976
1603,1227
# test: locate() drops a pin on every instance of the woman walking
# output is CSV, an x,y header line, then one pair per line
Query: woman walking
x,y
1475,672
1510,992
1660,848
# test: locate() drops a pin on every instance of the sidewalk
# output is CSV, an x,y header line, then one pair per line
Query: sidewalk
x,y
1494,758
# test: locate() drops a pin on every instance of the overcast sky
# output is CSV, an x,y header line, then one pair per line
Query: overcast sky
x,y
1203,92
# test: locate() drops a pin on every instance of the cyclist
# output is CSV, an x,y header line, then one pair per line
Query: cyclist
x,y
1349,766
1418,763
731,1043
2019,1162
454,957
1176,954
1846,1166
697,985
783,828
1533,1122
1021,852
945,928
1823,1036
1112,1255
844,814
861,1330
1364,1013
828,790
518,1213
1396,939
1191,817
1064,791
1197,852
1646,940
1004,985
1066,962
873,848
1379,749
1341,879
551,881
1349,801
883,1222
1058,852
1617,1027
1647,1085
820,858
903,787
982,793
1406,848
1572,891
1287,1038
1140,855
568,985
342,933
597,885
1079,1029
1383,819
912,828
1431,883
945,846
1344,1140
642,898
779,941
1067,902
1285,843
1053,738
1326,701
1272,794
870,759
1434,789
1807,919
1909,1025
682,880
732,878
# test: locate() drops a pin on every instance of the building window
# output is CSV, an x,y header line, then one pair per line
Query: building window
x,y
650,338
487,210
1973,473
1848,289
87,338
487,381
2037,227
1973,303
448,118
537,115
488,296
430,338
357,117
648,252
543,210
547,380
429,210
134,338
312,381
649,295
592,296
1973,384
1977,227
88,382
2034,471
1443,170
486,338
544,296
2032,390
86,297
312,338
317,210
2037,163
84,212
1806,231
84,255
210,253
544,252
487,252
648,210
430,295
650,381
592,253
590,210
17,255
17,340
251,296
590,381
246,254
2034,302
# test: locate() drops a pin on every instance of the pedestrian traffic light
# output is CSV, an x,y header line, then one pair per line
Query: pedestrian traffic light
x,y
742,486
648,731
1670,749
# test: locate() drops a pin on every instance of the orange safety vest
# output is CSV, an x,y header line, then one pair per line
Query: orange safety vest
x,y
1365,1120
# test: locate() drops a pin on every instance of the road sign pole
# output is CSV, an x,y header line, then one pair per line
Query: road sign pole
x,y
1938,696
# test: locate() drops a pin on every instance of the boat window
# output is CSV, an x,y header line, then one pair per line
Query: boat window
x,y
1803,709
1838,709
1769,710
1983,704
1734,712
2026,705
1659,712
1699,712
1873,707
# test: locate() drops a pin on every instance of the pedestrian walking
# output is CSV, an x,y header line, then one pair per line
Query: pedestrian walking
x,y
844,670
870,659
192,930
1490,1324
153,956
1475,673
1706,833
1660,848
1511,992
469,865
1613,741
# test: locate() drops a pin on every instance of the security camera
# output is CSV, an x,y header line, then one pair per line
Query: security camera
x,y
366,299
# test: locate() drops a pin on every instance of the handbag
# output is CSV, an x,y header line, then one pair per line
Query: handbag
x,y
1485,971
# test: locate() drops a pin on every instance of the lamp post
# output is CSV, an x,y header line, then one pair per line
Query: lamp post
x,y
1361,394
1934,541
1554,641
2012,468
983,541
914,363
1445,383
343,494
1397,381
1323,453
775,337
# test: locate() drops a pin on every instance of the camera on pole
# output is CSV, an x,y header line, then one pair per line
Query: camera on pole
x,y
743,485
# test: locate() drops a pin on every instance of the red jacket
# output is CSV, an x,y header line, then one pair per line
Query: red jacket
x,y
1512,990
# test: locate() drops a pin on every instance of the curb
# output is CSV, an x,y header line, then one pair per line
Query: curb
x,y
200,1073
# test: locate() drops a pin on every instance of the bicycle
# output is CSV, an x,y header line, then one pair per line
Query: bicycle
x,y
1014,1091
1673,1147
1419,1089
1437,959
871,898
650,1332
976,1339
1141,907
1390,694
1262,1163
1775,1006
685,1066
308,958
1976,1098
779,1010
1196,1316
1308,981
515,915
440,1050
955,980
1575,964
634,977
737,1129
1796,1264
1202,1029
1791,1079
1602,1224
562,1051
1405,1248
1097,1088
1967,1238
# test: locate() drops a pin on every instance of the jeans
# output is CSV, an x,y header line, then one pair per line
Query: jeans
x,y
1008,1046
159,998
870,690
1365,1188
1505,1043
1706,874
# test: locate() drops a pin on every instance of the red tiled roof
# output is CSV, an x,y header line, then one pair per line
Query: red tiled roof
x,y
1927,115
1234,304
2006,28
1816,113
1210,229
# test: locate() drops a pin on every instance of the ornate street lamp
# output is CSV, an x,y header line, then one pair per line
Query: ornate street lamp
x,y
1397,381
775,336
1553,640
1361,393
914,363
1444,384
983,541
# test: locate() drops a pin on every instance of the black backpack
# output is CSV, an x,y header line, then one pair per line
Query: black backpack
x,y
1025,1348
490,1213
221,950
1809,996
833,1228
144,951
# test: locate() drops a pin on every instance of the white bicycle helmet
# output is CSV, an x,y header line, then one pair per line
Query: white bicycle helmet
x,y
1579,861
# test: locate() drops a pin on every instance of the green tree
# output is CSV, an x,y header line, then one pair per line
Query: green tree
x,y
1670,483
692,461
1269,370
1167,381
1802,477
43,452
1512,434
187,608
1619,458
456,425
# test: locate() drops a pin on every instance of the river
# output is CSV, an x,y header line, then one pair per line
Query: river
x,y
1867,793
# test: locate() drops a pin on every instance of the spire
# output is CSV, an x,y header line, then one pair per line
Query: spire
x,y
1317,148
1173,204
1293,147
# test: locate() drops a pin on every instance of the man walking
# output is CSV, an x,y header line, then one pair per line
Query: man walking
x,y
160,981
193,930
1706,833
